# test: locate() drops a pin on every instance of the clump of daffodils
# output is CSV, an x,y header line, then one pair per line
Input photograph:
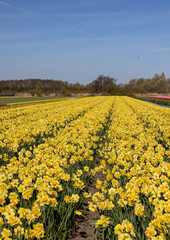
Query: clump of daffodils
x,y
102,222
125,229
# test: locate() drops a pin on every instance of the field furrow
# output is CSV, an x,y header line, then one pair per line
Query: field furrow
x,y
52,153
37,122
45,185
133,198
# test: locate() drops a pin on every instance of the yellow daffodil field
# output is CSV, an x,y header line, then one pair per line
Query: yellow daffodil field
x,y
50,154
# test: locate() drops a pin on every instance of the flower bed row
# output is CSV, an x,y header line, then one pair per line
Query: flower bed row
x,y
162,97
43,186
30,124
134,197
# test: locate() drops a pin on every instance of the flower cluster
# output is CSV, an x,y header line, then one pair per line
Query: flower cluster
x,y
47,153
134,190
47,159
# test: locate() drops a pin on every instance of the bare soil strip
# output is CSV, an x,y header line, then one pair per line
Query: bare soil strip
x,y
84,226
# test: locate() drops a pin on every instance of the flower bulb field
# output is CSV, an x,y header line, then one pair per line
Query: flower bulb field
x,y
51,153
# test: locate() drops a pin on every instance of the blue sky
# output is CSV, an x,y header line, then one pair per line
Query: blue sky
x,y
77,40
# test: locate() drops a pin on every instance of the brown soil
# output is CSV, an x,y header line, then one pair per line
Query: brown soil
x,y
85,226
151,94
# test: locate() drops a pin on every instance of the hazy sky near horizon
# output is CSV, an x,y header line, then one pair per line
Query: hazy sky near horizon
x,y
77,40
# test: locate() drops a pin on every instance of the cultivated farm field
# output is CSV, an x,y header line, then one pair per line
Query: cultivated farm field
x,y
51,153
25,100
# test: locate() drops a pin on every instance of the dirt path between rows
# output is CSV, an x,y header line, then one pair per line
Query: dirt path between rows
x,y
85,225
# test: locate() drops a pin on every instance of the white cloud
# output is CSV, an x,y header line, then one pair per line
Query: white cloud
x,y
160,49
85,14
43,17
83,32
5,4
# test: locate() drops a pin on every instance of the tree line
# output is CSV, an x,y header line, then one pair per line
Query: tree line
x,y
104,85
157,84
39,87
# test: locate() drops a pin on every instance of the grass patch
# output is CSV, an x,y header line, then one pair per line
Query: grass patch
x,y
12,101
156,100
